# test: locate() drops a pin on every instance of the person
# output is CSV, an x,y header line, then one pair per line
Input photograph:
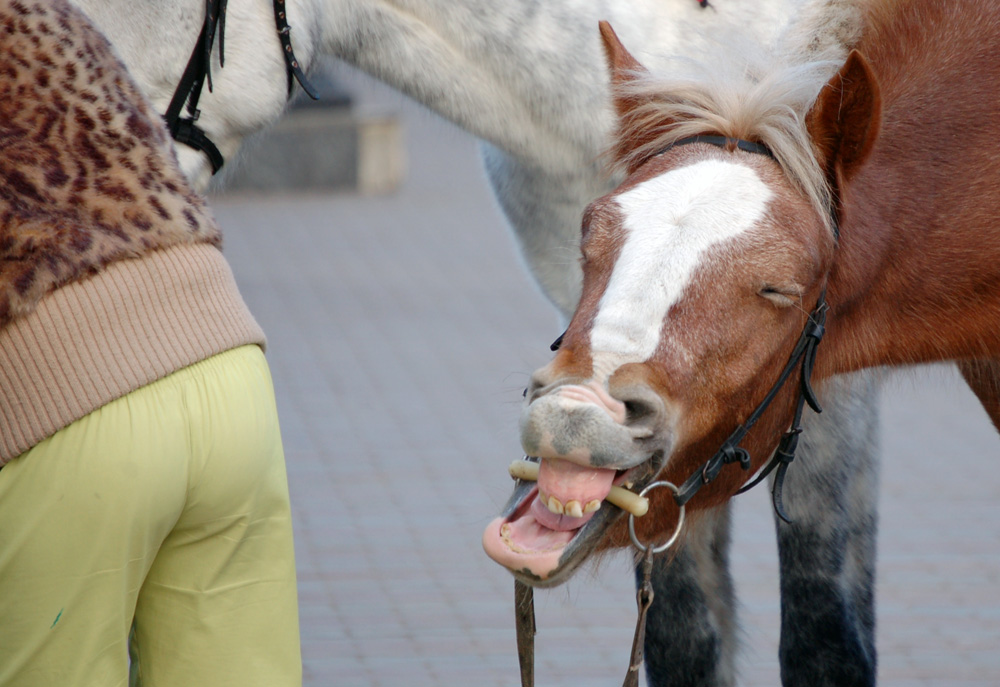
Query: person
x,y
143,482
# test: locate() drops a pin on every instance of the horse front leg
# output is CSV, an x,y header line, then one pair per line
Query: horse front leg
x,y
827,553
691,625
827,564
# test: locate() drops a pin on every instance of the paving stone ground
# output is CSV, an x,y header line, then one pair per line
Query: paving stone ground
x,y
401,331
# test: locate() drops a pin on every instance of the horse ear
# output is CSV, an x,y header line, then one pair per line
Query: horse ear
x,y
623,66
624,69
844,122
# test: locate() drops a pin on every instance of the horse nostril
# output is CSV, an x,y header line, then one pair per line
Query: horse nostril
x,y
539,380
636,411
644,409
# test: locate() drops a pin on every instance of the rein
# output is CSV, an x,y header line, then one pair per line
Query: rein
x,y
803,354
199,71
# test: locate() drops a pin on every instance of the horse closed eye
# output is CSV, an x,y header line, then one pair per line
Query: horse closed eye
x,y
782,297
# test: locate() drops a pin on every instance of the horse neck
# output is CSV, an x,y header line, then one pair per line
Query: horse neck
x,y
530,78
477,63
917,271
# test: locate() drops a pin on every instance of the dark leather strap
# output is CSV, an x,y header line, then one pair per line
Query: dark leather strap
x,y
292,67
644,599
723,142
730,452
785,453
524,616
188,90
199,71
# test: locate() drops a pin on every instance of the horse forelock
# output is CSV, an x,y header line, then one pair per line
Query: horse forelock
x,y
761,98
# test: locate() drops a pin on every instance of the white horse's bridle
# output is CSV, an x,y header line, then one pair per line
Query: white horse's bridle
x,y
198,71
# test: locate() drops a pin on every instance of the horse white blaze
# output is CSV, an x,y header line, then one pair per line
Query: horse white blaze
x,y
671,223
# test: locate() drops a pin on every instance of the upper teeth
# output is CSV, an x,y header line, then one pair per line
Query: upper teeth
x,y
623,498
555,505
573,509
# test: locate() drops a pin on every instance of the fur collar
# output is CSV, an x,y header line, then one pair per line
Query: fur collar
x,y
87,172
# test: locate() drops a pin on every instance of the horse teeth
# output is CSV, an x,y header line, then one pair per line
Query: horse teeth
x,y
628,501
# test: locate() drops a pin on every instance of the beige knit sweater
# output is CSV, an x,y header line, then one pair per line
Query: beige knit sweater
x,y
95,340
110,271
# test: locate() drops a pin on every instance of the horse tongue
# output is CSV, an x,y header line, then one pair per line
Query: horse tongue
x,y
568,481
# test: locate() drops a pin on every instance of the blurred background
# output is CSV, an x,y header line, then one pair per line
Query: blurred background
x,y
402,328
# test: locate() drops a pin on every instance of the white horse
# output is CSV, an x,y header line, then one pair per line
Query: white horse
x,y
529,78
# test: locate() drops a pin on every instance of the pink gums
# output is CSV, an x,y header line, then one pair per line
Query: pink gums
x,y
533,538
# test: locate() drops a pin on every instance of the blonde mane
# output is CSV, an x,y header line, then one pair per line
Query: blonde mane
x,y
746,93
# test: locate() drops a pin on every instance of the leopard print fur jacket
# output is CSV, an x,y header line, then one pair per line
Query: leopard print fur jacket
x,y
87,173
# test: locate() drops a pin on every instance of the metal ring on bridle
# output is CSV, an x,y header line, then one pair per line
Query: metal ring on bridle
x,y
677,531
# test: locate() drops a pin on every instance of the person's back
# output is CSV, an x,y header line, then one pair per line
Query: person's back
x,y
142,472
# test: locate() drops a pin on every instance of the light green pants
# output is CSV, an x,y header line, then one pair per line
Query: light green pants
x,y
170,507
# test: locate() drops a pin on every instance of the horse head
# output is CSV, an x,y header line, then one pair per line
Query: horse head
x,y
701,271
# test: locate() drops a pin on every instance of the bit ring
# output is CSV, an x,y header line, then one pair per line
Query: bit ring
x,y
677,531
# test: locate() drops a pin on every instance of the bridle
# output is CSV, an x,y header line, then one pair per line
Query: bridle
x,y
199,71
804,355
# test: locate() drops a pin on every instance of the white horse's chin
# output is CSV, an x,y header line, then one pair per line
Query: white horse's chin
x,y
195,166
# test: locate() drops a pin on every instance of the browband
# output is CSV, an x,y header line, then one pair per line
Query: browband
x,y
723,142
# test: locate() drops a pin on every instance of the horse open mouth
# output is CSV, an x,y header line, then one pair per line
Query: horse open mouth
x,y
542,538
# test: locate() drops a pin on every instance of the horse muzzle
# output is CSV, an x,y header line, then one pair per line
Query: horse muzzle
x,y
589,442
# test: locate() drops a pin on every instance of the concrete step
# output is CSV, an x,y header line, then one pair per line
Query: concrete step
x,y
323,146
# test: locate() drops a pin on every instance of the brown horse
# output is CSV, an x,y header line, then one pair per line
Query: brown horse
x,y
750,213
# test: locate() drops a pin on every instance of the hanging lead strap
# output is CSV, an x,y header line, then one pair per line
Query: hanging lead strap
x,y
644,599
524,614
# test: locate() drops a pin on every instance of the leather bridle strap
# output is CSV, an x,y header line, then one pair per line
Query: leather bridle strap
x,y
292,66
199,70
723,142
732,452
524,618
804,352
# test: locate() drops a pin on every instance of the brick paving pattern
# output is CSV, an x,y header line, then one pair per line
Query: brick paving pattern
x,y
401,332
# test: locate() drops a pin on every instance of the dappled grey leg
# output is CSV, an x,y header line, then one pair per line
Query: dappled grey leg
x,y
827,553
827,561
690,629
